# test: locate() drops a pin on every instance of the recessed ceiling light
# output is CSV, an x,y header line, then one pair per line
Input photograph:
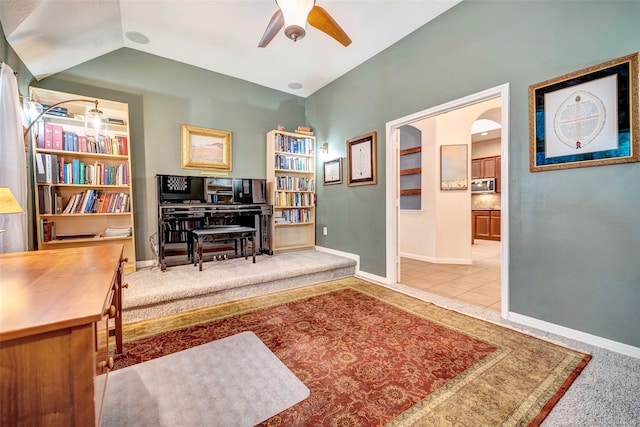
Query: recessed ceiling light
x,y
295,86
136,37
484,133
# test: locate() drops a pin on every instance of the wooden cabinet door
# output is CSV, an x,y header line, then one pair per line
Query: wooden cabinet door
x,y
476,169
495,225
488,167
482,222
485,167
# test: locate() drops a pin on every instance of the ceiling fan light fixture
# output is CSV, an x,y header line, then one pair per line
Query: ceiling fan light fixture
x,y
295,17
294,32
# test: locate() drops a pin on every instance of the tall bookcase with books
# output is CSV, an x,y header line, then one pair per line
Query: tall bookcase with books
x,y
291,189
82,183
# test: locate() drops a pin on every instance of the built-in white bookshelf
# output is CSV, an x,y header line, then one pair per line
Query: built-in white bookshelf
x,y
82,184
291,189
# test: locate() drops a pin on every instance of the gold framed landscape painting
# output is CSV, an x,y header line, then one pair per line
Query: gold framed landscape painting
x,y
453,167
204,148
586,118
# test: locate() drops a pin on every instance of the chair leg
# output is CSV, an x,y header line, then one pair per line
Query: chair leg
x,y
244,247
253,247
194,252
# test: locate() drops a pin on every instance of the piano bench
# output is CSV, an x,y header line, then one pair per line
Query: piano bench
x,y
222,233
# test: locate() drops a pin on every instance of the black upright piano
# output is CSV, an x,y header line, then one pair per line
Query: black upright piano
x,y
189,202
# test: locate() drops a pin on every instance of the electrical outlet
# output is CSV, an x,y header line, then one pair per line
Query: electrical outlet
x,y
324,230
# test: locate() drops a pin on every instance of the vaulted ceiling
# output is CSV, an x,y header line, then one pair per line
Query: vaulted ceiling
x,y
51,36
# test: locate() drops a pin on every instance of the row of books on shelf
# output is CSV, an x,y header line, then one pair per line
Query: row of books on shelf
x,y
53,170
49,200
47,230
91,201
295,183
283,199
293,216
296,145
96,201
98,173
51,136
285,162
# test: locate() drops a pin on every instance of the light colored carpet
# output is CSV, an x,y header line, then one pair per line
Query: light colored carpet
x,y
153,293
233,382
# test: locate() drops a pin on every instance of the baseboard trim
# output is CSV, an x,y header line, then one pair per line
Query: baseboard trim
x,y
563,331
434,260
373,278
349,255
147,263
356,258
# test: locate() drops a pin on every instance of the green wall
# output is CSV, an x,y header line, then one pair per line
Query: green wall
x,y
574,234
164,94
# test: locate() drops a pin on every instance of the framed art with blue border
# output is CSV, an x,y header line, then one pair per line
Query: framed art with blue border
x,y
586,118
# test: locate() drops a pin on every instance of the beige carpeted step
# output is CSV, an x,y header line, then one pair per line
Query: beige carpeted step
x,y
153,293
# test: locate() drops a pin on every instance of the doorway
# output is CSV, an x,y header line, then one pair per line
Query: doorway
x,y
393,187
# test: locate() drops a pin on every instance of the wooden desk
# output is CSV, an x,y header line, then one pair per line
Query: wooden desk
x,y
59,310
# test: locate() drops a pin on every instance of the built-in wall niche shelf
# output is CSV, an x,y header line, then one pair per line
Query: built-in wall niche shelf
x,y
413,151
412,171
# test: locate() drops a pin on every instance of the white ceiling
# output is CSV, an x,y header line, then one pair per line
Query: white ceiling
x,y
50,36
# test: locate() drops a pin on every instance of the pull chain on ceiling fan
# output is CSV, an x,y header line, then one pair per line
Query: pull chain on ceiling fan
x,y
293,15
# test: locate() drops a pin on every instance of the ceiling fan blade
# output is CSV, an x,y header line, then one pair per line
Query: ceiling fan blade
x,y
320,18
275,25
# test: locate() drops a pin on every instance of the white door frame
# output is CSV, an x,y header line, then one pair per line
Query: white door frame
x,y
392,193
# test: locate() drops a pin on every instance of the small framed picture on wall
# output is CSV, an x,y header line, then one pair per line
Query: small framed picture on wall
x,y
332,172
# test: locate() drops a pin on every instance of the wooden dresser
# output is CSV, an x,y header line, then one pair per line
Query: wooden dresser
x,y
60,327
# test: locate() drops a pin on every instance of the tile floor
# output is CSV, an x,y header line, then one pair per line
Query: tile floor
x,y
477,284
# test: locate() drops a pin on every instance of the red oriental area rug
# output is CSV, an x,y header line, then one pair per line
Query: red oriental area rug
x,y
372,356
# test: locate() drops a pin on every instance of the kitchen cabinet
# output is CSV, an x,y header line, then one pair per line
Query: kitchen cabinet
x,y
487,167
485,224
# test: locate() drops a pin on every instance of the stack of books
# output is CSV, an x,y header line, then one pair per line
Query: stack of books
x,y
117,232
304,130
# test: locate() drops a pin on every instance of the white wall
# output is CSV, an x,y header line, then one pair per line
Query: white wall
x,y
441,231
488,148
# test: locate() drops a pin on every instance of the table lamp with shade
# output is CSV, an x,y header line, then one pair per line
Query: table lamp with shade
x,y
8,203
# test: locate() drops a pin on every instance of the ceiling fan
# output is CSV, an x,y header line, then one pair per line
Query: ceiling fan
x,y
294,15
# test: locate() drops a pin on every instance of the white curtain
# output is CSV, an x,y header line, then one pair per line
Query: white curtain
x,y
13,164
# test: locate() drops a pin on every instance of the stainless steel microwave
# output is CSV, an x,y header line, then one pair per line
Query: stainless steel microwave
x,y
483,185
